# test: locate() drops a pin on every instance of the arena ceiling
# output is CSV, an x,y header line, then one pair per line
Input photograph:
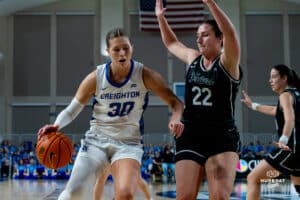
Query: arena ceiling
x,y
295,1
8,7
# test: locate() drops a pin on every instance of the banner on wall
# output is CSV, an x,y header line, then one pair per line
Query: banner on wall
x,y
244,167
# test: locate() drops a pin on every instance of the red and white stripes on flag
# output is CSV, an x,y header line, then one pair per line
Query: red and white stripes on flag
x,y
182,15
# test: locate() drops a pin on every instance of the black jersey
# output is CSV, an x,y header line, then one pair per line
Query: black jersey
x,y
210,94
280,118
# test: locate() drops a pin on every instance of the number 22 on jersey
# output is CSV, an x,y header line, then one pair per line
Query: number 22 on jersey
x,y
202,96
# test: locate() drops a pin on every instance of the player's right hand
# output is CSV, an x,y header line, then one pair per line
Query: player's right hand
x,y
176,127
246,100
48,128
159,9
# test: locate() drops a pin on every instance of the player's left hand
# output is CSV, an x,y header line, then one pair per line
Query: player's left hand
x,y
176,127
207,1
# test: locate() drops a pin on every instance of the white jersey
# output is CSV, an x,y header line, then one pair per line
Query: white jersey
x,y
118,107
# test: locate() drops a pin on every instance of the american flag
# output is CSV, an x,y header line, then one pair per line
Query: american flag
x,y
182,15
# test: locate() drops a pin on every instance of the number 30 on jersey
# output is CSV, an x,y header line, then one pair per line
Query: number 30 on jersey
x,y
120,109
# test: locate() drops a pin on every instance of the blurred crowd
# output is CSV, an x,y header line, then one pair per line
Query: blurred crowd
x,y
256,150
20,162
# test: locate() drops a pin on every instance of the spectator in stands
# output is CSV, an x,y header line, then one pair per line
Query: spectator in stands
x,y
31,170
243,150
12,148
251,148
61,173
40,169
74,154
148,148
146,166
69,168
285,82
76,147
49,173
19,170
158,148
246,153
26,157
168,163
1,153
4,143
16,156
5,164
259,150
156,170
270,148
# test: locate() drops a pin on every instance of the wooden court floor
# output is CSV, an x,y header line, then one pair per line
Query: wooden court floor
x,y
50,189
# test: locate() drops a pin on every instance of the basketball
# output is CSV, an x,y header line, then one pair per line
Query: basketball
x,y
54,150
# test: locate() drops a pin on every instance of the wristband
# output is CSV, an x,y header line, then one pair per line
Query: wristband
x,y
254,106
284,139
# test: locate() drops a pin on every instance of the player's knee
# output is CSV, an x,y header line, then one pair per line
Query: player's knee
x,y
124,192
185,196
252,179
125,195
221,192
297,187
221,195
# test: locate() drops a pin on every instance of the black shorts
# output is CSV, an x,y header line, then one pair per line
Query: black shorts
x,y
286,162
198,143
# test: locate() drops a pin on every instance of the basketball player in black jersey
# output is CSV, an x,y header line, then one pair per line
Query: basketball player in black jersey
x,y
210,142
286,159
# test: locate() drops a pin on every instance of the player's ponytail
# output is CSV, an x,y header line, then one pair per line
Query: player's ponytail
x,y
293,79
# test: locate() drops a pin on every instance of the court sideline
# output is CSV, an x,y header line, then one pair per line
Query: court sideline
x,y
50,189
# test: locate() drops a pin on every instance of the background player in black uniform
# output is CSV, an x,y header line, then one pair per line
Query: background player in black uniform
x,y
210,141
286,159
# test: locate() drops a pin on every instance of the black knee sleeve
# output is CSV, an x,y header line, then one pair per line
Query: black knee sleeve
x,y
297,187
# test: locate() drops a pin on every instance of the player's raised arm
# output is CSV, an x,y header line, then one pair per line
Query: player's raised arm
x,y
230,57
265,109
187,55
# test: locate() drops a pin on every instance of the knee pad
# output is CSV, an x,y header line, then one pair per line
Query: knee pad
x,y
297,187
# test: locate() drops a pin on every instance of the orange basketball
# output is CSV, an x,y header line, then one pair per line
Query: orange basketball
x,y
54,150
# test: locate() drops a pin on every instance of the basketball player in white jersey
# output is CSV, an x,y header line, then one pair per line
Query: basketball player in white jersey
x,y
119,90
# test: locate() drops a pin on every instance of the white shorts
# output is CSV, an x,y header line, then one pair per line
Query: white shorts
x,y
103,148
96,152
